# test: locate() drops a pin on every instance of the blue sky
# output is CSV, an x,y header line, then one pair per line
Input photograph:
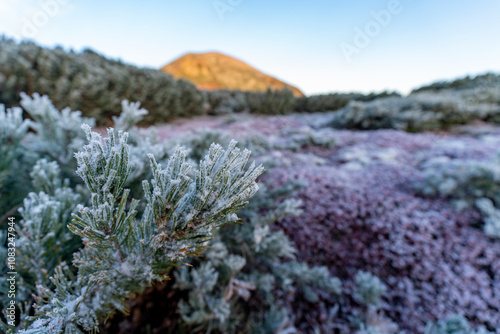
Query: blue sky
x,y
318,45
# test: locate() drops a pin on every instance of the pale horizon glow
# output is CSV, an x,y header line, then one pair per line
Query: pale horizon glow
x,y
394,45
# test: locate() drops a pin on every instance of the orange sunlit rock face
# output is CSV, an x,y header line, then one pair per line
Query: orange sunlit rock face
x,y
214,71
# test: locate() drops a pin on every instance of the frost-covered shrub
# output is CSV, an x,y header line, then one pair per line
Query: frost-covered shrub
x,y
280,102
90,82
465,83
335,101
248,277
368,291
112,258
491,216
416,112
483,90
369,288
57,134
15,159
12,131
270,102
306,137
130,116
465,180
142,141
44,241
121,255
223,102
199,142
468,183
322,103
453,325
388,113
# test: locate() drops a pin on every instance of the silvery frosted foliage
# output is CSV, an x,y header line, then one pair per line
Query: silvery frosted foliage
x,y
189,99
104,168
46,177
300,275
334,101
224,102
368,291
199,142
453,325
44,241
15,158
469,183
205,302
491,216
12,131
181,206
143,142
57,137
62,310
416,112
393,112
58,134
131,115
215,288
256,143
93,83
461,179
270,102
253,277
305,137
369,288
488,80
123,256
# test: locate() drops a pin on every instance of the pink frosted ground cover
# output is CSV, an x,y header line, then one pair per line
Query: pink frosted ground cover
x,y
361,211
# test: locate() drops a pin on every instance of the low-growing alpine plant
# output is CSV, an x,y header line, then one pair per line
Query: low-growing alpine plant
x,y
468,183
121,254
83,251
141,210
